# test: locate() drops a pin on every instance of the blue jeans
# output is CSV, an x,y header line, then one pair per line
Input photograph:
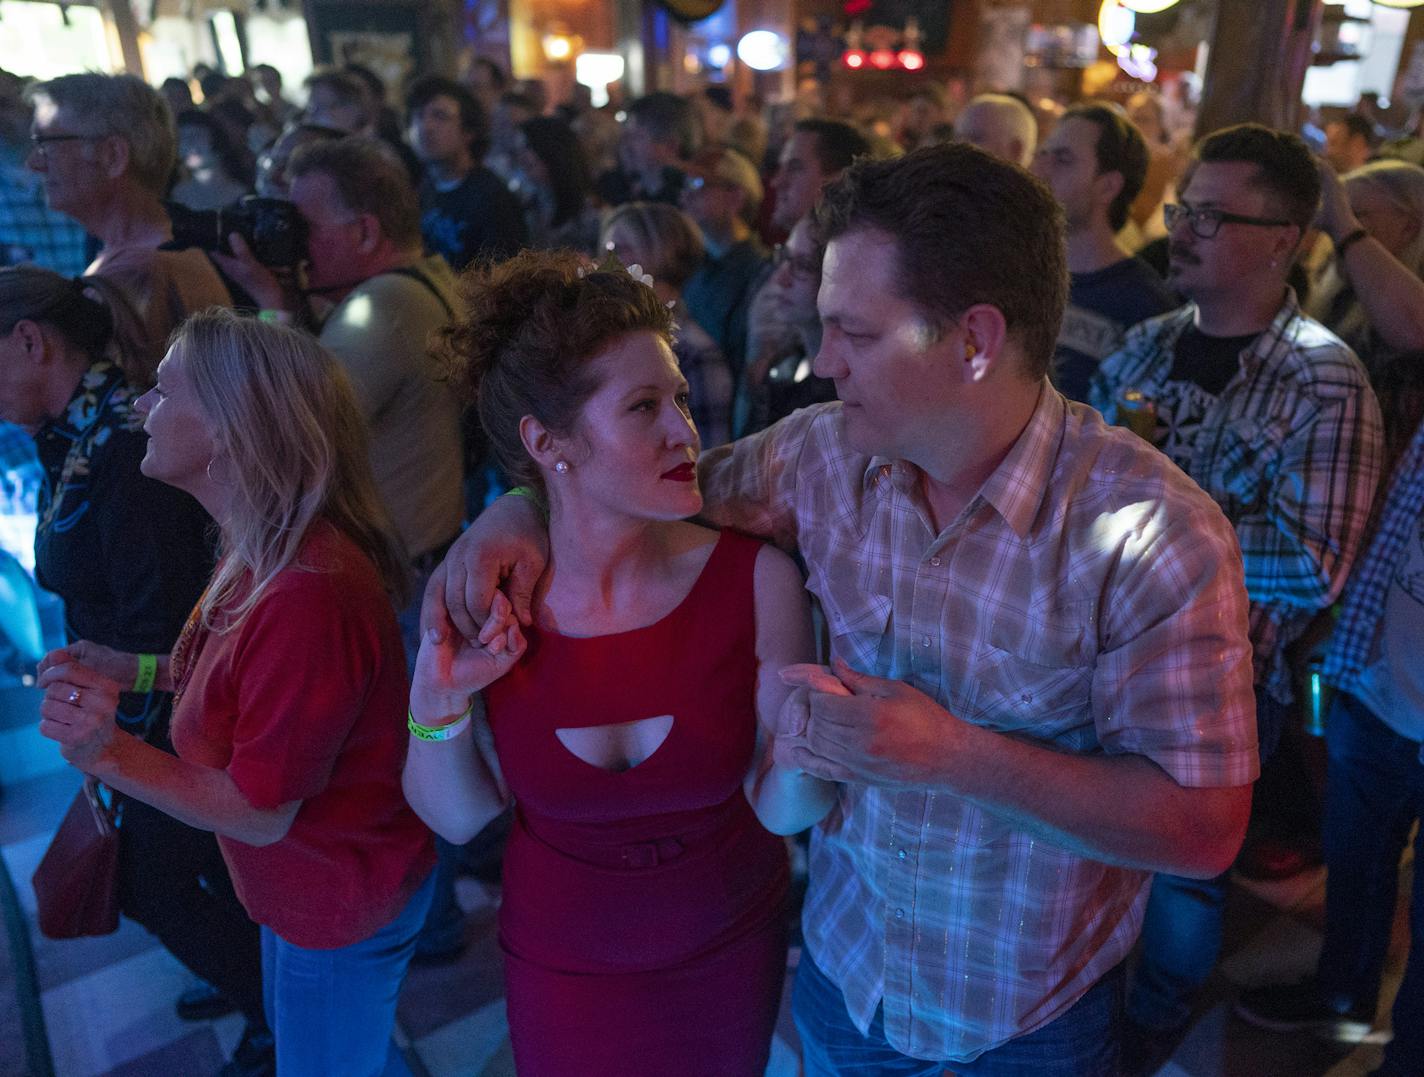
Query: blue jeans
x,y
332,1011
1181,931
1083,1042
1374,792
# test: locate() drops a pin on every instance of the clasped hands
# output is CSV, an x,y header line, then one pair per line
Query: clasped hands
x,y
81,686
853,727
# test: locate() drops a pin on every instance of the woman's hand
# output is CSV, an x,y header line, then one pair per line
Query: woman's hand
x,y
449,669
118,666
78,712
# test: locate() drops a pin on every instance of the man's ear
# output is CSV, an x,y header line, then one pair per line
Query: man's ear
x,y
371,234
114,155
984,335
1107,186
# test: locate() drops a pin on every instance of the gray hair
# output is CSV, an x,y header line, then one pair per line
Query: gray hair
x,y
122,106
1402,184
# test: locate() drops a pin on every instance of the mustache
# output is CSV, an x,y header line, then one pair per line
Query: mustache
x,y
1178,253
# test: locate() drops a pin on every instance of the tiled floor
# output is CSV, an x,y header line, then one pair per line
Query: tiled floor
x,y
108,1002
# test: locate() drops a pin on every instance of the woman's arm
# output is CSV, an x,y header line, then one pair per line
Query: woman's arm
x,y
121,667
453,784
78,712
785,799
1391,295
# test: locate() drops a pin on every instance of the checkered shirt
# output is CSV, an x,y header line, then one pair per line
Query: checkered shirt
x,y
29,230
1291,450
1364,603
1089,599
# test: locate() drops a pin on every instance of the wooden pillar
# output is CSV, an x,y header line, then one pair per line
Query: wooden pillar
x,y
126,28
1256,68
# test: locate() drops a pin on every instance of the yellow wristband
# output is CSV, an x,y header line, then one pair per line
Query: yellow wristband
x,y
147,673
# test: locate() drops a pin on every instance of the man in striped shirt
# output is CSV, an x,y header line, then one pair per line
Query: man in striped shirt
x,y
1040,622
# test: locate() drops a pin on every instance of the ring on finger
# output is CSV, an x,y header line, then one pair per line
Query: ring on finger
x,y
75,695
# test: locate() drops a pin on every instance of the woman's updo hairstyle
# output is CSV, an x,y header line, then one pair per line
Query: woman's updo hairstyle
x,y
522,345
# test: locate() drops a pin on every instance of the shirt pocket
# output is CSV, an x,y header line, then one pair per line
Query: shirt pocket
x,y
1016,694
1249,460
858,625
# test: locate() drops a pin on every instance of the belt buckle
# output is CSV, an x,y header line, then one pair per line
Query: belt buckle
x,y
649,854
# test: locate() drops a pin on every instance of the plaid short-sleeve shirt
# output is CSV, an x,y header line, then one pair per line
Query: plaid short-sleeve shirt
x,y
1089,599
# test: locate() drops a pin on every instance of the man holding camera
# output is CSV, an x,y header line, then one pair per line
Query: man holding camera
x,y
105,146
382,298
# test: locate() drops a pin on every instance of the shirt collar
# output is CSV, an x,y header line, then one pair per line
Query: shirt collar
x,y
1017,487
91,395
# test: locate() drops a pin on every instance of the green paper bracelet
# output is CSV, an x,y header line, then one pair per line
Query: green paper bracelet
x,y
443,732
147,673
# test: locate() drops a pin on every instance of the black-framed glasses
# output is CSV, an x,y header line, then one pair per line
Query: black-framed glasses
x,y
1205,223
804,267
39,143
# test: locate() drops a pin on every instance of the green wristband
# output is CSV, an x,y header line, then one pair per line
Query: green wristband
x,y
440,732
147,673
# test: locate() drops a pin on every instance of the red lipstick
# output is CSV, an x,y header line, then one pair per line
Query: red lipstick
x,y
682,473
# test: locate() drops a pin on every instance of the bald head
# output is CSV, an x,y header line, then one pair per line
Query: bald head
x,y
1001,125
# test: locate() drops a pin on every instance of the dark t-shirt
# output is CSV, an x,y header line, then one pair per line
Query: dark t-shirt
x,y
1102,307
477,218
1202,367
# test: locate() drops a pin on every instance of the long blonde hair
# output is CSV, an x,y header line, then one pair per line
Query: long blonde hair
x,y
286,424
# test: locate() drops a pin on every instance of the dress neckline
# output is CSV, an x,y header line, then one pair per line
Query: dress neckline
x,y
702,576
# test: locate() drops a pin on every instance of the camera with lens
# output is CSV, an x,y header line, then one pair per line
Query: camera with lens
x,y
271,227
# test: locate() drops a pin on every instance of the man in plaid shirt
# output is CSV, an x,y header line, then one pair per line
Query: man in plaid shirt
x,y
29,230
1273,416
1040,624
1374,792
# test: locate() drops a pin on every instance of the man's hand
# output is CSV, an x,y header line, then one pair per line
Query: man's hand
x,y
883,732
253,277
507,545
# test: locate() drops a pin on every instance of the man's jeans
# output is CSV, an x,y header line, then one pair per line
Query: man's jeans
x,y
1082,1042
332,1011
1374,793
1181,931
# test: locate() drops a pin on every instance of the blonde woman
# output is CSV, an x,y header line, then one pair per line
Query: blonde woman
x,y
290,685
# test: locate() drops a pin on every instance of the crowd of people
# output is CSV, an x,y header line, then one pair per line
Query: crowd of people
x,y
1086,441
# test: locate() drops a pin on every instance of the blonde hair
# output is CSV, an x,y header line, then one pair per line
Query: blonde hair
x,y
285,417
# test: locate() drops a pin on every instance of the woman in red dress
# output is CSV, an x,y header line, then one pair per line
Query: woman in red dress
x,y
643,918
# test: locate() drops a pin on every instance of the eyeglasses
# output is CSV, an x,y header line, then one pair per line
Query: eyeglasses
x,y
803,267
40,143
1205,223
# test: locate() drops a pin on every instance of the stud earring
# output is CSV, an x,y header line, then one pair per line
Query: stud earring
x,y
562,467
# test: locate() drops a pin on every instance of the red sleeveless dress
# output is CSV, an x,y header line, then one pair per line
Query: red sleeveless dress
x,y
642,920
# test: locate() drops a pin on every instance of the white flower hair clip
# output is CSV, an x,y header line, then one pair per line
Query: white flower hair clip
x,y
612,264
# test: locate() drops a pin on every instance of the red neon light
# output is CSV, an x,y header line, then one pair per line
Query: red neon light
x,y
884,59
911,60
853,58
